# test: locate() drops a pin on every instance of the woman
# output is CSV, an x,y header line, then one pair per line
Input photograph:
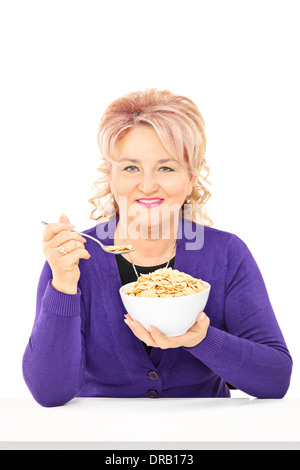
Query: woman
x,y
153,148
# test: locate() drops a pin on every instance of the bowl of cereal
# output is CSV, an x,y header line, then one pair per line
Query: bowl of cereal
x,y
166,298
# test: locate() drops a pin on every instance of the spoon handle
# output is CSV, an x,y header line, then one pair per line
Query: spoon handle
x,y
75,231
47,223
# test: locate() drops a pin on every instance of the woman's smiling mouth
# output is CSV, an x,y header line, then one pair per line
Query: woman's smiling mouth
x,y
150,202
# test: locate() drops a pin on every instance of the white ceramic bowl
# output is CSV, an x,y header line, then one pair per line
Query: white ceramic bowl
x,y
173,316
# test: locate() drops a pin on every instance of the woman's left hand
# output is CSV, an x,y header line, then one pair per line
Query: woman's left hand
x,y
156,339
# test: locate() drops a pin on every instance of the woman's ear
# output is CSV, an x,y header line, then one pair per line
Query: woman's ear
x,y
111,187
191,184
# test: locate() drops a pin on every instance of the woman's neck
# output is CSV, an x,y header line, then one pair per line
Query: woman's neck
x,y
148,251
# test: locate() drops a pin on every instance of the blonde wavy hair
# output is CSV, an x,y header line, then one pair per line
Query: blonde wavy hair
x,y
181,129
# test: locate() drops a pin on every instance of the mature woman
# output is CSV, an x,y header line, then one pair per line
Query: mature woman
x,y
151,194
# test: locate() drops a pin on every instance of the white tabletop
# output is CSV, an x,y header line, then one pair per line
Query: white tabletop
x,y
143,423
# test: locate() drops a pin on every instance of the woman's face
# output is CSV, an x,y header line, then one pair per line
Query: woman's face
x,y
143,169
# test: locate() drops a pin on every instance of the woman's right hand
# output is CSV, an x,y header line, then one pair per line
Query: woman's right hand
x,y
64,268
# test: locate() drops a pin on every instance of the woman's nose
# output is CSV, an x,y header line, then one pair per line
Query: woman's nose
x,y
148,184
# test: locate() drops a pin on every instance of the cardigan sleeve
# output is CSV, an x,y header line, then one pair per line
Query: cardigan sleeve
x,y
54,359
250,353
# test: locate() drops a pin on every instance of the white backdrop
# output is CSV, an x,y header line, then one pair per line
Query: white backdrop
x,y
64,61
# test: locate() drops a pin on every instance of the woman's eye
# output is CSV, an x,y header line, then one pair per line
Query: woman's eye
x,y
166,167
129,167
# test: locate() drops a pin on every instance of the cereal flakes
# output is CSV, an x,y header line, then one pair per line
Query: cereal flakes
x,y
166,282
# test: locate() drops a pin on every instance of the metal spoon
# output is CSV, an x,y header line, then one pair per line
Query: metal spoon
x,y
106,248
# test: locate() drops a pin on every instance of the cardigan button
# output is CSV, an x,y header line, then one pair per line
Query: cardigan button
x,y
152,394
153,375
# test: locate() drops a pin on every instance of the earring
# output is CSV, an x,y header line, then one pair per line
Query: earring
x,y
188,200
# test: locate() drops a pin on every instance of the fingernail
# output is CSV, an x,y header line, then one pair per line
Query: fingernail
x,y
130,323
202,316
71,226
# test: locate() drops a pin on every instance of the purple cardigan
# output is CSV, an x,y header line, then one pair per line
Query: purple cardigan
x,y
81,347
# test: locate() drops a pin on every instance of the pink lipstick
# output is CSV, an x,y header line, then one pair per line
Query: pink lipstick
x,y
149,202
